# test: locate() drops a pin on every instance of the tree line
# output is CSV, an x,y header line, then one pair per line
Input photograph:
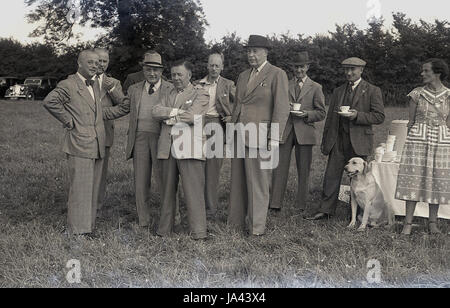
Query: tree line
x,y
175,28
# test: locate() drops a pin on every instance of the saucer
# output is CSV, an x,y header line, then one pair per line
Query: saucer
x,y
344,113
297,112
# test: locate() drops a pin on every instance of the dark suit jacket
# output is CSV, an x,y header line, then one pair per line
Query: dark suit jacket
x,y
71,101
132,79
135,95
368,101
109,101
266,100
313,103
225,96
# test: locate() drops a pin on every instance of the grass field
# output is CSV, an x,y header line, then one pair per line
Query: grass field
x,y
294,253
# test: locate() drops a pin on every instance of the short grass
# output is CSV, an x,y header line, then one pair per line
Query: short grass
x,y
294,253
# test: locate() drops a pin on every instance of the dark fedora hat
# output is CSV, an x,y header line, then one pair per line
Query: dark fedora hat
x,y
258,41
301,58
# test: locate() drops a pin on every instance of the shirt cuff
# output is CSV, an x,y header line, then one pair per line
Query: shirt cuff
x,y
174,112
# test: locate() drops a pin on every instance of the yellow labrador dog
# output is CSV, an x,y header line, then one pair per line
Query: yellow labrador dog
x,y
366,194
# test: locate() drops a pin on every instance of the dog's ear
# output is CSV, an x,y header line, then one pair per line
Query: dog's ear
x,y
366,167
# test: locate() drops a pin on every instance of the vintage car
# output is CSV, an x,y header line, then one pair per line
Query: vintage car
x,y
32,88
7,82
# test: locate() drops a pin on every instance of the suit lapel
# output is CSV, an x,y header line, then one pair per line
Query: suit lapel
x,y
262,75
84,92
341,95
292,85
307,86
184,96
360,90
140,88
220,88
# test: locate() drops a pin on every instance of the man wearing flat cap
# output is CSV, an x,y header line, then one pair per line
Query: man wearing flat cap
x,y
144,130
261,99
308,106
355,107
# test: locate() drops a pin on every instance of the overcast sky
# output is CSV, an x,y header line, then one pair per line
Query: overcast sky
x,y
265,16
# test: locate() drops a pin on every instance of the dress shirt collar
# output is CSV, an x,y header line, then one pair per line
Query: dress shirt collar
x,y
259,69
206,81
82,77
356,83
155,88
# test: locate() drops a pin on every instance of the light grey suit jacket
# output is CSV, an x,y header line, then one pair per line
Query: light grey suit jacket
x,y
195,101
71,101
264,100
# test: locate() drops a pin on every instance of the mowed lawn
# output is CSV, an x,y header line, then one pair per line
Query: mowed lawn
x,y
295,253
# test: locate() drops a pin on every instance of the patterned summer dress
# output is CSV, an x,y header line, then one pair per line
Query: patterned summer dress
x,y
424,174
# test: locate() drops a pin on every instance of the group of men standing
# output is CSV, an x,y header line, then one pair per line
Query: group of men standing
x,y
88,101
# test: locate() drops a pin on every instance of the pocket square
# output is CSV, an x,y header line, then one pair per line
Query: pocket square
x,y
262,84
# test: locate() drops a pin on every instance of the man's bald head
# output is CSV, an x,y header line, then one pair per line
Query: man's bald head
x,y
215,65
88,63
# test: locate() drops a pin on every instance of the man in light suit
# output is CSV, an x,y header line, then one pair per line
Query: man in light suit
x,y
261,99
75,102
106,83
144,130
348,134
221,97
300,133
180,150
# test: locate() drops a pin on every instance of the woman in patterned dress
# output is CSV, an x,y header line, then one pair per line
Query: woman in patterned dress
x,y
424,174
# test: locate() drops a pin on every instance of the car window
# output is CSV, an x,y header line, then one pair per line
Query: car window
x,y
33,81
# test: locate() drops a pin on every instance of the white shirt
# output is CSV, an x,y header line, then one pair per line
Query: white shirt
x,y
301,83
90,88
212,89
155,87
356,83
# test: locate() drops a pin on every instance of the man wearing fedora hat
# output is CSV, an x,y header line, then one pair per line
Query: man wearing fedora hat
x,y
261,99
144,130
348,133
300,133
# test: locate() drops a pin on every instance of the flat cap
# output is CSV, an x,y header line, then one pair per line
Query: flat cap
x,y
352,62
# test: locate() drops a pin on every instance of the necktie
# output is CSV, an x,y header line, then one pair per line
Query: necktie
x,y
350,86
252,75
96,87
89,82
151,89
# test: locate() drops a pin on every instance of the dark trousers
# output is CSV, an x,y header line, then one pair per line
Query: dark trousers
x,y
303,158
192,174
341,153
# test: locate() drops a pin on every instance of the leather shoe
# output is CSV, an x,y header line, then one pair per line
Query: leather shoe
x,y
318,216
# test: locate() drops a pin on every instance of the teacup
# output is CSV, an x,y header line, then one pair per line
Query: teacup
x,y
345,109
296,107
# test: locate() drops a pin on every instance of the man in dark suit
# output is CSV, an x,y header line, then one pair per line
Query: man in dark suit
x,y
348,134
300,133
221,96
144,130
75,102
262,101
106,83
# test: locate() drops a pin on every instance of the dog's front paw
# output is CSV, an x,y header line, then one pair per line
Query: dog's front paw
x,y
362,229
352,225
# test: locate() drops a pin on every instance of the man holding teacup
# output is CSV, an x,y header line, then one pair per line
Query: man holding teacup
x,y
307,107
354,108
